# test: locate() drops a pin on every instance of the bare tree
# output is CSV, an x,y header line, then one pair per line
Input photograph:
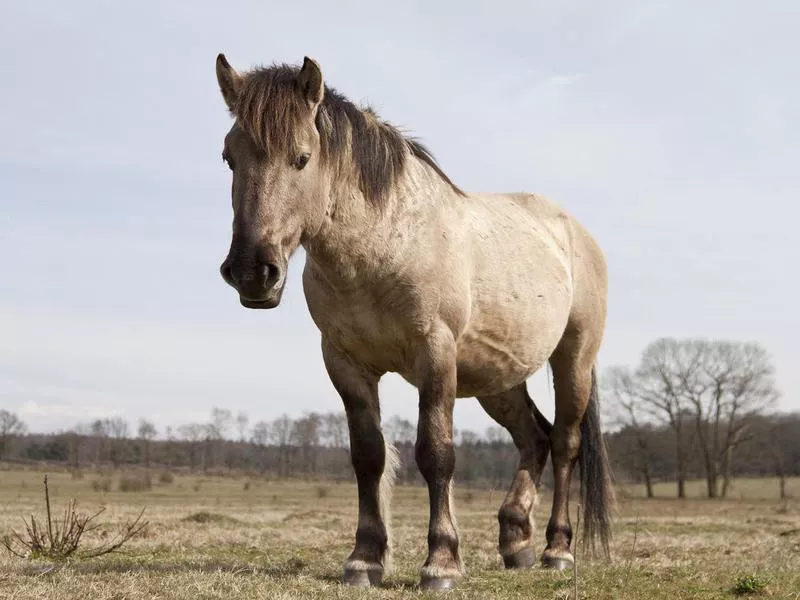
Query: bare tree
x,y
624,407
704,391
117,428
221,421
334,430
468,455
261,433
306,435
76,440
281,435
241,425
216,432
194,434
500,441
658,383
10,427
399,430
147,431
100,443
260,437
735,383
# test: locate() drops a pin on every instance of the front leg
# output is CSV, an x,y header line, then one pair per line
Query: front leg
x,y
436,379
374,463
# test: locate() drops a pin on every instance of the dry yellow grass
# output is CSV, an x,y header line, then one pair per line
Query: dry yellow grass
x,y
281,540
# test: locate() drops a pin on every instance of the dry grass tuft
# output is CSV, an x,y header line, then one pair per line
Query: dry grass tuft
x,y
102,485
140,482
205,518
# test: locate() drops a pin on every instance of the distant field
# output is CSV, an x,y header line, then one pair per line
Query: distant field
x,y
741,489
279,540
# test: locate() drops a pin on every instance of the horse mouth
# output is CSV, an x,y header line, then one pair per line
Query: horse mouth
x,y
259,304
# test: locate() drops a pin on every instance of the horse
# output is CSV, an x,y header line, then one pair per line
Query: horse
x,y
461,294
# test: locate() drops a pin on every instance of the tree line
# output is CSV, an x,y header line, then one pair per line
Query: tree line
x,y
690,409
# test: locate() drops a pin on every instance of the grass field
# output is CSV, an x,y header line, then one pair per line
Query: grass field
x,y
279,540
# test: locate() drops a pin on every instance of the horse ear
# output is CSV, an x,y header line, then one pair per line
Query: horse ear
x,y
310,82
230,82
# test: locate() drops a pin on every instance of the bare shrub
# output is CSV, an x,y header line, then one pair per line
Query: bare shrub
x,y
76,474
57,540
205,517
322,492
136,483
166,477
102,485
246,486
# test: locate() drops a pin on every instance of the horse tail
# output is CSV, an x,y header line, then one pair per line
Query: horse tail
x,y
597,496
385,489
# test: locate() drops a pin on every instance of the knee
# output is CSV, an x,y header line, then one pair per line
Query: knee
x,y
367,452
435,458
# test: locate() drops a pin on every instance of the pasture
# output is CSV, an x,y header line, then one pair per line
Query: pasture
x,y
240,537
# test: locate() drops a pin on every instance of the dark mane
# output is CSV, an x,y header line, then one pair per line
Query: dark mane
x,y
269,108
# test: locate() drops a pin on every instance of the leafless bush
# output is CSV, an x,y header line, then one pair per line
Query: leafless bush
x,y
136,483
76,474
322,492
60,539
102,485
166,477
246,486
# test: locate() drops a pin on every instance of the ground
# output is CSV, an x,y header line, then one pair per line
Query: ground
x,y
276,540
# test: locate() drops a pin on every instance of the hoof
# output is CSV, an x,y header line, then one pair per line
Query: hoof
x,y
437,584
524,559
362,579
558,563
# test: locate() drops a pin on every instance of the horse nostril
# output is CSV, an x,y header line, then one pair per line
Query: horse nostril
x,y
271,275
227,273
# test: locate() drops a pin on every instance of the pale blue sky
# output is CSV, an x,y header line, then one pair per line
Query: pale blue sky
x,y
672,130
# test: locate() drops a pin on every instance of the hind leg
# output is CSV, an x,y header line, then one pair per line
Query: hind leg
x,y
572,379
515,411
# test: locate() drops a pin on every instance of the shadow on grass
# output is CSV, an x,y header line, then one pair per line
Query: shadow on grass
x,y
390,583
289,570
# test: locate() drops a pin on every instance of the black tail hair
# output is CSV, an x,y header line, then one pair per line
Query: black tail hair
x,y
597,496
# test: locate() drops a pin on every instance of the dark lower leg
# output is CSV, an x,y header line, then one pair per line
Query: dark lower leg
x,y
559,529
572,394
359,392
436,460
514,410
368,454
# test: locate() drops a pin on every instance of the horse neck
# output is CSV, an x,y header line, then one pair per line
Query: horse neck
x,y
363,239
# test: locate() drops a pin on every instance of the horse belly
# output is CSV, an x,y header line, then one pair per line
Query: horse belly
x,y
501,349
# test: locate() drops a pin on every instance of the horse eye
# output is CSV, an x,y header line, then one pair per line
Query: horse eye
x,y
301,161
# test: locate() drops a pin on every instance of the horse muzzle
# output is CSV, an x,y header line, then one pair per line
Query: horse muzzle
x,y
260,285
